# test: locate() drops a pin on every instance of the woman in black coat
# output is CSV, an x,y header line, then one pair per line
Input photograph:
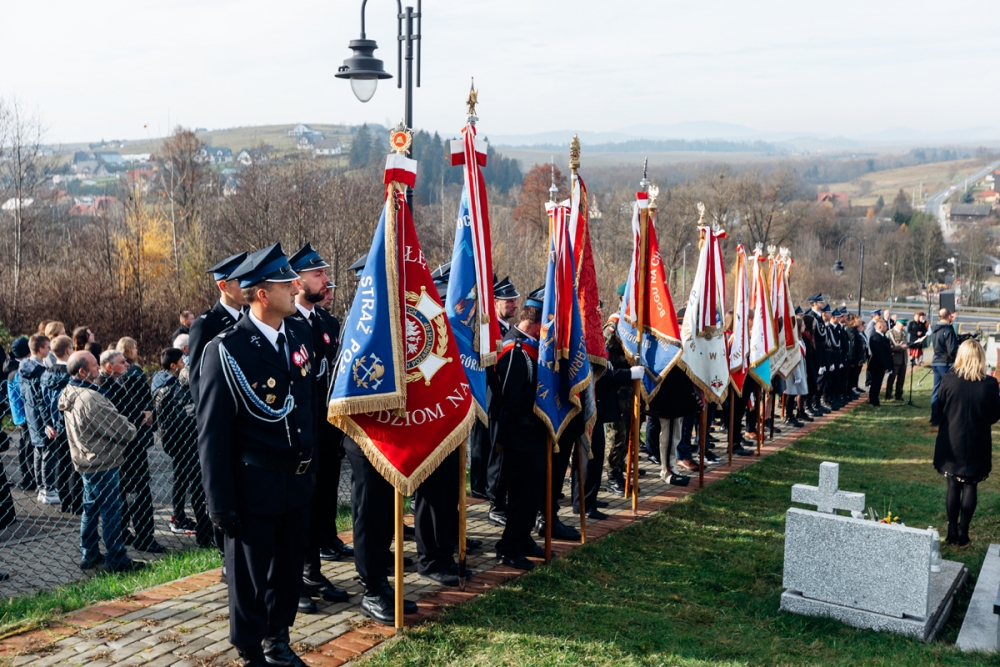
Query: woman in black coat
x,y
970,404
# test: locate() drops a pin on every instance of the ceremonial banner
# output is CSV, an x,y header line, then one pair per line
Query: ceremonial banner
x,y
788,334
469,301
563,365
703,339
739,346
400,391
763,338
660,332
586,276
774,279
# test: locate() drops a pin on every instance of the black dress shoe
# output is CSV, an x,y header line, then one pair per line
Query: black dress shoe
x,y
481,495
560,531
379,607
409,606
496,518
596,515
471,544
742,451
306,605
615,488
601,503
90,563
409,532
534,551
518,563
252,657
407,561
678,480
325,589
445,578
804,416
336,551
278,653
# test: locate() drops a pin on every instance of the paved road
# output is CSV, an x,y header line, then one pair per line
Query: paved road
x,y
935,205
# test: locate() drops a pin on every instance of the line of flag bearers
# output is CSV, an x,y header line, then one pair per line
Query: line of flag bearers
x,y
428,361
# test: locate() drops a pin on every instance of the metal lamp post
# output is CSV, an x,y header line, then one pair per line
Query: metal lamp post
x,y
364,70
838,266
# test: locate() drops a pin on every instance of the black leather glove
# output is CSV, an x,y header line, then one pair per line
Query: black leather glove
x,y
228,522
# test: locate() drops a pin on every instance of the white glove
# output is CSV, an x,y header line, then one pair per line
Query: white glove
x,y
822,369
841,366
637,372
832,368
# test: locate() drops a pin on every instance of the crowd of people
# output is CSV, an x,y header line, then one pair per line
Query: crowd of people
x,y
238,404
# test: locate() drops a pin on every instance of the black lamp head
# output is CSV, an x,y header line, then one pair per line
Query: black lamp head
x,y
838,268
363,69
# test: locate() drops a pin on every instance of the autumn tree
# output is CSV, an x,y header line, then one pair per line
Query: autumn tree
x,y
529,214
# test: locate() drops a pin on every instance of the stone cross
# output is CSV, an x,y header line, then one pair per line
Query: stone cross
x,y
826,497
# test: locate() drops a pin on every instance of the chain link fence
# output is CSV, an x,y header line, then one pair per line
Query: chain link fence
x,y
141,425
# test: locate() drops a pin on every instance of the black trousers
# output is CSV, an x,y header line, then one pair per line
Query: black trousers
x,y
524,478
875,375
653,437
323,507
592,469
898,375
135,480
435,517
187,480
25,460
495,490
560,460
479,459
373,511
70,483
264,570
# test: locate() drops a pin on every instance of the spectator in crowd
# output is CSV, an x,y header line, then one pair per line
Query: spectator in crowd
x,y
52,330
186,319
968,405
125,384
19,351
7,513
898,346
54,380
95,349
181,343
945,348
880,363
97,435
677,399
30,378
179,436
42,325
916,332
870,328
81,337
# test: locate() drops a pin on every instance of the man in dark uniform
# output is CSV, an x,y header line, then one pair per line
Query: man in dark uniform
x,y
256,432
815,356
224,314
617,431
520,435
325,329
832,355
505,298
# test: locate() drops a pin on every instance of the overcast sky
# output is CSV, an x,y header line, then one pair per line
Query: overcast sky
x,y
105,69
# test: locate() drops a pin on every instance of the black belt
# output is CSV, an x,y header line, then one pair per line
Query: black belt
x,y
261,460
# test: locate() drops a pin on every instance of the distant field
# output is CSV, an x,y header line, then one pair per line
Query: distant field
x,y
529,157
935,177
236,139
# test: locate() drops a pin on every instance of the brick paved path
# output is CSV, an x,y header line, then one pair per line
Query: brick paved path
x,y
185,623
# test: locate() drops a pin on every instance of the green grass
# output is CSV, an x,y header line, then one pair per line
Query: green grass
x,y
31,610
699,583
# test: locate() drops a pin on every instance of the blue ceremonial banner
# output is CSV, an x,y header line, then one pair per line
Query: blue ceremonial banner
x,y
370,369
658,356
563,374
462,304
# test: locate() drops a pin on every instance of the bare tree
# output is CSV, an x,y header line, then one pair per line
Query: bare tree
x,y
770,205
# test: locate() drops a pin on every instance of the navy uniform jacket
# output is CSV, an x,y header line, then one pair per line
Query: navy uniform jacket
x,y
817,330
208,325
325,339
227,429
513,422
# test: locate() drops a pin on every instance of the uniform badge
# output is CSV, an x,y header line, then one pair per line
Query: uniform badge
x,y
270,398
326,338
255,340
297,358
271,382
303,371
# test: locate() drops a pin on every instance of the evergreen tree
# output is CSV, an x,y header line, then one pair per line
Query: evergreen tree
x,y
880,204
361,148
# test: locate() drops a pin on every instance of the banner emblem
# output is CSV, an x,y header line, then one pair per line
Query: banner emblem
x,y
426,337
373,372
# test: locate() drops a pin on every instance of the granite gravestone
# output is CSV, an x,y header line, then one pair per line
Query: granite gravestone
x,y
864,573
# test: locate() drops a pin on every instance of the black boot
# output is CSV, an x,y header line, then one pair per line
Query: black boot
x,y
963,537
377,605
952,534
803,416
278,653
323,588
252,657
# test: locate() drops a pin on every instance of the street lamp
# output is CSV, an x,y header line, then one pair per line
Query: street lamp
x,y
838,266
364,70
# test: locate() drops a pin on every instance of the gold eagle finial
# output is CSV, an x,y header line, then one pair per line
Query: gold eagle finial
x,y
473,98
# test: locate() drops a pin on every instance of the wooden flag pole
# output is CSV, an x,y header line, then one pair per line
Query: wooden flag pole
x,y
399,562
702,437
772,416
640,312
628,462
581,470
461,517
760,419
732,411
548,501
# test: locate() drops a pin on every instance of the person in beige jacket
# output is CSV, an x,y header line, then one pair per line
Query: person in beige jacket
x,y
97,435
